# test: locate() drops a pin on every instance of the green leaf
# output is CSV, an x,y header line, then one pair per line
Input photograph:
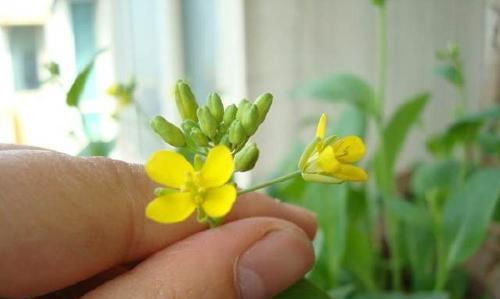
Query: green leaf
x,y
359,252
419,248
468,212
303,289
463,130
395,134
329,202
352,121
441,175
97,148
398,127
450,73
340,87
418,295
76,90
409,213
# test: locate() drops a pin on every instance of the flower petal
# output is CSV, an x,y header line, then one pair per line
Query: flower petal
x,y
349,149
171,208
218,201
321,128
321,178
218,167
327,161
168,168
347,172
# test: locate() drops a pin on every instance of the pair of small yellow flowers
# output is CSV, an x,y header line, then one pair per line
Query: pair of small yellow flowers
x,y
209,191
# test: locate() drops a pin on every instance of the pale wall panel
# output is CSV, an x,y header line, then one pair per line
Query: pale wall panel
x,y
289,41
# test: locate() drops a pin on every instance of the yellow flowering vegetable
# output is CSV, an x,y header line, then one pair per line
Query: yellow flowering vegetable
x,y
330,160
206,189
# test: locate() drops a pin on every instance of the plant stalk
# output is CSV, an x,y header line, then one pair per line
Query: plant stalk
x,y
271,182
387,175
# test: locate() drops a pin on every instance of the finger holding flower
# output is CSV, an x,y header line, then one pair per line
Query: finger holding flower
x,y
218,139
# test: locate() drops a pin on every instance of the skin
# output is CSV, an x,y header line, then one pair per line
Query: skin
x,y
72,227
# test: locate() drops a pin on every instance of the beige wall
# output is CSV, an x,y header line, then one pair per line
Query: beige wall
x,y
289,41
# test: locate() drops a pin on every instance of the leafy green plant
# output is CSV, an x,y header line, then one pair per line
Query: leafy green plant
x,y
377,243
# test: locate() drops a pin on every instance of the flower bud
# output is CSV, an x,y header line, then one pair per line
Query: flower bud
x,y
208,124
185,101
187,125
215,106
198,137
168,132
250,120
236,133
242,108
245,159
225,141
263,104
306,155
229,116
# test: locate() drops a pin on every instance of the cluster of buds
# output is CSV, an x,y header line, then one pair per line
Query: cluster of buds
x,y
206,126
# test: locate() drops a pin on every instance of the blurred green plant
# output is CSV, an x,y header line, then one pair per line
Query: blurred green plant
x,y
123,93
377,242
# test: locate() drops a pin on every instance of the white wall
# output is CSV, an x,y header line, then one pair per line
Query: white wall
x,y
289,41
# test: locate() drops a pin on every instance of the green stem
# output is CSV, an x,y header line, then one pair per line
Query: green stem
x,y
271,182
387,175
381,58
437,216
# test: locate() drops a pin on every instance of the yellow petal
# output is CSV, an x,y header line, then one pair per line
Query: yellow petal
x,y
320,178
171,208
218,167
218,201
168,168
321,128
327,161
347,172
349,149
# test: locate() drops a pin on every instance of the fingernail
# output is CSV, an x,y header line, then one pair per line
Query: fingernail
x,y
273,263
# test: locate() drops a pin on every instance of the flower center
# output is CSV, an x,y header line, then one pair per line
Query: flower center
x,y
193,186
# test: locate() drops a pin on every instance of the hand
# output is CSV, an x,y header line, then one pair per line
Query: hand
x,y
73,226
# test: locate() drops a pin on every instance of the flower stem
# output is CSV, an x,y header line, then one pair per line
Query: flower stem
x,y
271,182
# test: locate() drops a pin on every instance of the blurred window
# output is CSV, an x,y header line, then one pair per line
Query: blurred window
x,y
199,26
25,42
84,31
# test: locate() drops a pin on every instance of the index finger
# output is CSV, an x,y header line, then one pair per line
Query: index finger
x,y
64,219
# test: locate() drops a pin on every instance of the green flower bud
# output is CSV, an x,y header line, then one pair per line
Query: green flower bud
x,y
187,125
229,116
185,101
242,108
168,132
250,120
236,133
215,106
263,104
225,141
208,124
304,158
198,137
245,159
198,162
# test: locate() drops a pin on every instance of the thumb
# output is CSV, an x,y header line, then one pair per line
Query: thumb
x,y
252,258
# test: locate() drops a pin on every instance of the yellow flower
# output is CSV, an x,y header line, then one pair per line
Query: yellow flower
x,y
330,160
206,190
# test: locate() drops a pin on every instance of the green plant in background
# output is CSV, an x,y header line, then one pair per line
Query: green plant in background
x,y
377,243
123,93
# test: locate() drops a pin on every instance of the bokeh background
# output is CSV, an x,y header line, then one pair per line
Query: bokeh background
x,y
238,48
